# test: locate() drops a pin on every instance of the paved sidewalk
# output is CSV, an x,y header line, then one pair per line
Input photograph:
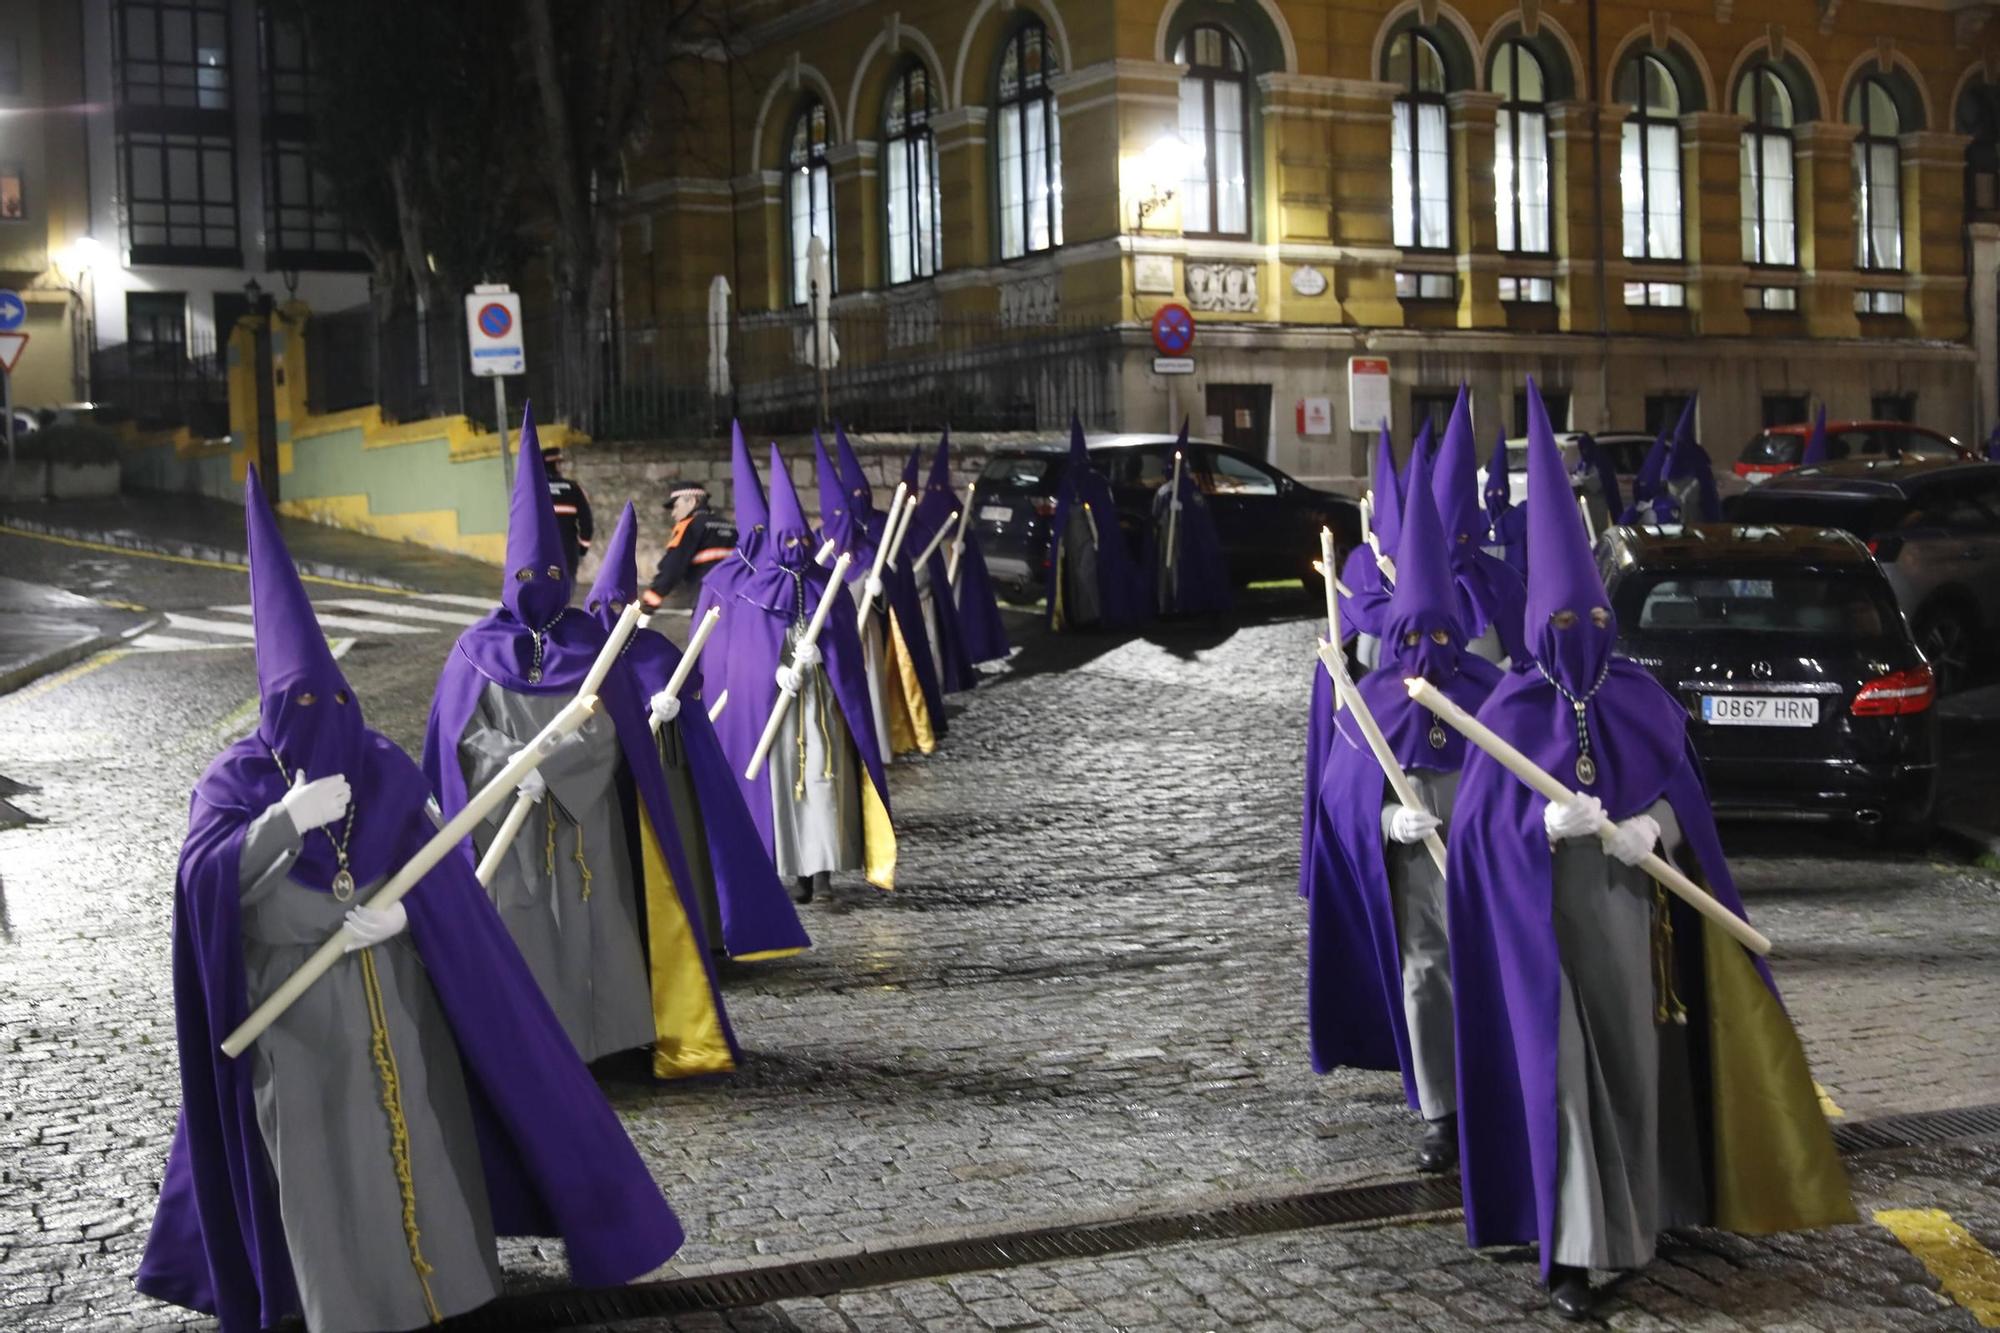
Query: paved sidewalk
x,y
45,629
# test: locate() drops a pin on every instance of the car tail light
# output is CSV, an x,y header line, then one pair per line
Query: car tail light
x,y
1885,548
1045,505
1762,469
1909,691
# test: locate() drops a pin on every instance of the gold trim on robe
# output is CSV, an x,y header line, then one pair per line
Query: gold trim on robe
x,y
878,836
909,715
687,1029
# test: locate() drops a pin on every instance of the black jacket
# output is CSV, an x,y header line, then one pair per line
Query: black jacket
x,y
698,541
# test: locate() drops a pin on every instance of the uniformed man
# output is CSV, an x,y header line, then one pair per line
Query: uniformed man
x,y
700,538
572,508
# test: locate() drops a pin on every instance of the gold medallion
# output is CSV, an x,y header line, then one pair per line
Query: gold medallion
x,y
343,887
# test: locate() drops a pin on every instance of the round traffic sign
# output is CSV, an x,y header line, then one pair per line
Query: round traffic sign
x,y
494,321
13,311
1173,330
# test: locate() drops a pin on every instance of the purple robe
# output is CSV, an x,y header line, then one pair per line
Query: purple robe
x,y
1201,577
1121,583
980,628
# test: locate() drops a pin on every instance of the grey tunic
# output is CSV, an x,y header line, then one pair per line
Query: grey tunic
x,y
326,1131
1628,1161
1487,645
815,823
1078,587
1367,651
874,655
686,801
584,951
1416,892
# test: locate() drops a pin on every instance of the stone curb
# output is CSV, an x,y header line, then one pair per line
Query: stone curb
x,y
50,662
130,541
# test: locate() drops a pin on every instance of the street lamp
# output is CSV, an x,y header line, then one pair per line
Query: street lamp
x,y
1162,167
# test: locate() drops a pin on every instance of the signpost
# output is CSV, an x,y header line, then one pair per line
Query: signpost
x,y
1173,335
13,314
493,333
1368,402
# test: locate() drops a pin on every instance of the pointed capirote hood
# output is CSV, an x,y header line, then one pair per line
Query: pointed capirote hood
x,y
1078,455
1426,594
1563,574
538,576
746,490
913,470
790,533
860,494
1652,470
1684,428
1815,451
617,579
833,511
940,481
1499,498
306,713
1387,515
1455,481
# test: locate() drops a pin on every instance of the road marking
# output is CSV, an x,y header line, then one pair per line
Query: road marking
x,y
344,622
1966,1270
62,678
173,643
233,628
483,605
200,563
116,605
1828,1107
407,612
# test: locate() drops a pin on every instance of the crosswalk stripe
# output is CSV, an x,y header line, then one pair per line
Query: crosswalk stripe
x,y
168,643
480,604
404,610
234,628
346,622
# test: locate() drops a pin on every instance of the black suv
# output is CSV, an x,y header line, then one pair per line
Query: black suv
x,y
1806,695
1268,523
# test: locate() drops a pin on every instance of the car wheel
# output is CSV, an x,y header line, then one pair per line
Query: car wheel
x,y
1947,643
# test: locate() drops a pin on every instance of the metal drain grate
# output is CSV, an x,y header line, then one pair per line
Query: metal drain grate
x,y
1393,1201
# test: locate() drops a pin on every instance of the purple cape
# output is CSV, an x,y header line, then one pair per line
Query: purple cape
x,y
980,629
1121,583
757,914
954,664
864,526
1202,586
557,1161
1367,595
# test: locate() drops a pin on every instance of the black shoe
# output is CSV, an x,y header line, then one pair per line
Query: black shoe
x,y
1569,1292
802,889
1438,1150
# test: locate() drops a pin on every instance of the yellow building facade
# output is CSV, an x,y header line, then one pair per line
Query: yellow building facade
x,y
1769,203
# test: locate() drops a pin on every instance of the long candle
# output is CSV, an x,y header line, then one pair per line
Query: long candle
x,y
835,587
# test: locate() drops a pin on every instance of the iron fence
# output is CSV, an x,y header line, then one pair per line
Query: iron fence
x,y
165,384
881,370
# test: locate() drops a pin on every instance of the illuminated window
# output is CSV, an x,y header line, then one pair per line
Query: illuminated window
x,y
1215,118
1770,223
1419,153
1649,171
1521,150
1029,152
910,166
808,195
1878,174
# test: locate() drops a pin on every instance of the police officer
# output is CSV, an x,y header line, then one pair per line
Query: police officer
x,y
572,508
700,538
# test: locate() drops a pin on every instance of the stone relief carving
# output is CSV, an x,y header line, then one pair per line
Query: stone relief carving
x,y
1221,285
1029,301
913,322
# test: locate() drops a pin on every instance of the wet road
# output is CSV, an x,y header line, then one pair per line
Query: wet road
x,y
1083,1001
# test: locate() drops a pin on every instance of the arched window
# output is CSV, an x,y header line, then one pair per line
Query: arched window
x,y
1770,222
1521,149
1215,119
1977,117
911,169
808,195
1649,169
1878,175
1030,135
1420,152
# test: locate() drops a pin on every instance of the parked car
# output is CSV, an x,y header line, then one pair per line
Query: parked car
x,y
1268,522
1806,693
1628,450
1933,523
1779,449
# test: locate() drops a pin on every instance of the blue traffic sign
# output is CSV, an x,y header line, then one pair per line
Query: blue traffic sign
x,y
13,311
494,321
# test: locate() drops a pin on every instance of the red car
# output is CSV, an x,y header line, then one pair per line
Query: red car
x,y
1779,448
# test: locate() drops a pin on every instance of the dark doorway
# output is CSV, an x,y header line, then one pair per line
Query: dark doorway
x,y
229,307
1245,413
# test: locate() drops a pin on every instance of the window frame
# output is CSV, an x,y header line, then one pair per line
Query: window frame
x,y
207,252
1865,258
1040,100
1639,114
1756,132
1212,78
18,172
152,94
818,173
1413,97
917,144
1511,110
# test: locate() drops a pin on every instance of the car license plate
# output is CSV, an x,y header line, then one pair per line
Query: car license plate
x,y
1759,710
996,514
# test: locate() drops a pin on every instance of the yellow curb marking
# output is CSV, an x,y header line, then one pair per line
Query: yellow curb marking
x,y
118,605
1828,1107
1966,1270
36,689
196,561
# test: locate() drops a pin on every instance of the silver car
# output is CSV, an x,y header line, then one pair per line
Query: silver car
x,y
1933,525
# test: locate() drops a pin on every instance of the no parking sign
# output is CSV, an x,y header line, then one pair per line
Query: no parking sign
x,y
493,331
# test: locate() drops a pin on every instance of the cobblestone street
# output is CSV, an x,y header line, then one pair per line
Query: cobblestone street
x,y
1083,1001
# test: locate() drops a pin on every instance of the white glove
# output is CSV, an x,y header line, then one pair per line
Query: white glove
x,y
872,589
367,927
805,656
321,801
1402,824
666,707
788,679
534,786
1632,838
1574,818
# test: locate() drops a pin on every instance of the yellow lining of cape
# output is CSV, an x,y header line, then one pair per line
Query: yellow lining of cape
x,y
762,955
906,699
687,1025
1775,1166
878,835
